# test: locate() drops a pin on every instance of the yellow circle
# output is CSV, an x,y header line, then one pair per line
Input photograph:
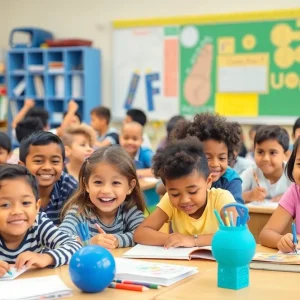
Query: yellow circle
x,y
291,80
284,57
281,35
249,41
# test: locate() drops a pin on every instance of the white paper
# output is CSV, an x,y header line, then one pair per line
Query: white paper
x,y
14,275
34,288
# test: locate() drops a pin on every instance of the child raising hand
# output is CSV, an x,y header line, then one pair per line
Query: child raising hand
x,y
109,199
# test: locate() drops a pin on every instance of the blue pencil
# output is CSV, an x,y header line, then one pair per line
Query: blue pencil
x,y
295,239
238,220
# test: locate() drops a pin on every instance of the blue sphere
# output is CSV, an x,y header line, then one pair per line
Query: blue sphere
x,y
92,268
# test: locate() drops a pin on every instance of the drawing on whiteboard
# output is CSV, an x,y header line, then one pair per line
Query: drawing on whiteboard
x,y
197,86
132,89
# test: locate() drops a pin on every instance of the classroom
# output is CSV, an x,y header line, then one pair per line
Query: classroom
x,y
149,149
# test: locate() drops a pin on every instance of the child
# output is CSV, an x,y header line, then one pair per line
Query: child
x,y
267,180
27,237
287,210
296,130
189,203
78,141
23,129
220,139
100,119
137,115
252,133
43,153
5,147
109,199
170,126
131,140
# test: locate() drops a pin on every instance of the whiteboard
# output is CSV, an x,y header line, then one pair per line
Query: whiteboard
x,y
139,73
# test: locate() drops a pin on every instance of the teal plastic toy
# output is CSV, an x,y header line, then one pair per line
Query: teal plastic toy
x,y
233,249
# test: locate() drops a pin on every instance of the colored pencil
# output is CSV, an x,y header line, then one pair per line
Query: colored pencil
x,y
256,178
129,287
238,220
231,218
295,239
148,285
227,219
10,273
220,221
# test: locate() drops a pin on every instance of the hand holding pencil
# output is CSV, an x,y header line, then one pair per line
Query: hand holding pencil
x,y
108,241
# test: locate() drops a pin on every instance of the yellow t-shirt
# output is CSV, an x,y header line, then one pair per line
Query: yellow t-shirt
x,y
207,223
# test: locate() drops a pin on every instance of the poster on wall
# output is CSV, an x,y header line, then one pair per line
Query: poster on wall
x,y
245,68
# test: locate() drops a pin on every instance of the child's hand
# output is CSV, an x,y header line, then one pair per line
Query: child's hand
x,y
29,103
4,268
258,194
179,240
286,244
32,259
72,106
108,241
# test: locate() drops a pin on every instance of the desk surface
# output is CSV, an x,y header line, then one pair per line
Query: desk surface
x,y
263,284
261,209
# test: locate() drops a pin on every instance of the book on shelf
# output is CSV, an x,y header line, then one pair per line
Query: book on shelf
x,y
59,86
39,86
19,88
158,252
76,86
3,107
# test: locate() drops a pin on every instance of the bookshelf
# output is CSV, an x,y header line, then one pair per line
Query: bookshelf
x,y
53,76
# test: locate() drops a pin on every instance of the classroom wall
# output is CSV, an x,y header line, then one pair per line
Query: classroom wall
x,y
92,19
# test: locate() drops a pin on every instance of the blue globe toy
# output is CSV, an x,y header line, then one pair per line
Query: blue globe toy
x,y
92,268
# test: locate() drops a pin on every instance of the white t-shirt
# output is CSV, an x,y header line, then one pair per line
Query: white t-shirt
x,y
273,190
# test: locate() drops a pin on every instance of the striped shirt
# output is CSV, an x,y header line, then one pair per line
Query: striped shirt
x,y
43,237
61,192
122,227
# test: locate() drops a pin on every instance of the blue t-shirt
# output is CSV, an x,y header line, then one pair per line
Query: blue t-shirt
x,y
231,182
143,158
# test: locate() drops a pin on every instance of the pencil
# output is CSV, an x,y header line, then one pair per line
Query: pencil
x,y
256,178
129,287
148,285
295,239
220,221
9,272
227,219
231,218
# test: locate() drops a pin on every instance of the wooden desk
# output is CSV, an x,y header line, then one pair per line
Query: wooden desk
x,y
259,217
203,285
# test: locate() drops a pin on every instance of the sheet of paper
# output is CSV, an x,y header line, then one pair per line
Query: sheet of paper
x,y
50,287
15,274
265,203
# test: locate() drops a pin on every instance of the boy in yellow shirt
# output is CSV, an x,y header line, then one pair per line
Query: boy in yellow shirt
x,y
189,203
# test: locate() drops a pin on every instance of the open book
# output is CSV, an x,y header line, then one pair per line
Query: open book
x,y
286,262
157,252
48,287
149,272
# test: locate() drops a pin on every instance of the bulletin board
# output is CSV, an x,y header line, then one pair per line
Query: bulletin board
x,y
244,65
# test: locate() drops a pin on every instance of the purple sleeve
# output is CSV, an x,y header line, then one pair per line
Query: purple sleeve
x,y
289,200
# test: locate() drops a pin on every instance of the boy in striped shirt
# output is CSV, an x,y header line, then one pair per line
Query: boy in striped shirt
x,y
28,238
43,154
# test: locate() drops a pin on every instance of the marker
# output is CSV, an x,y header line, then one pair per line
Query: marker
x,y
221,223
227,219
231,218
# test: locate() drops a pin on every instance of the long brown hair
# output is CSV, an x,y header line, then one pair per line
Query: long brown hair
x,y
118,157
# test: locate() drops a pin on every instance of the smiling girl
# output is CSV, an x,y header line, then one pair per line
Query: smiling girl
x,y
109,199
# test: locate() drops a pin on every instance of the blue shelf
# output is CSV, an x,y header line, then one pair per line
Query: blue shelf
x,y
77,76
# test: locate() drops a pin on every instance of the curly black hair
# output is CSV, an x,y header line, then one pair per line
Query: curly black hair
x,y
180,158
207,126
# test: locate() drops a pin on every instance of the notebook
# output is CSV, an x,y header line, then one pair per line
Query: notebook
x,y
285,262
14,274
265,203
157,252
34,288
150,272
